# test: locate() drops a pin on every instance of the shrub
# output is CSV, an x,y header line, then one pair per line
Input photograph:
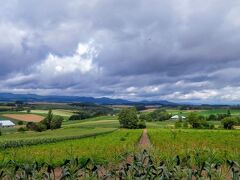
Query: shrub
x,y
145,117
229,122
185,124
178,124
211,126
212,117
22,129
20,123
36,126
28,110
141,125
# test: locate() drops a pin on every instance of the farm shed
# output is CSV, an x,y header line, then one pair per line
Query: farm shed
x,y
177,117
6,123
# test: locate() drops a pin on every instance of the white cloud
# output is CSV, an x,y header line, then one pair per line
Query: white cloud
x,y
81,61
200,95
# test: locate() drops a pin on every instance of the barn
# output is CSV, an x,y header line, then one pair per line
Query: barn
x,y
178,117
6,123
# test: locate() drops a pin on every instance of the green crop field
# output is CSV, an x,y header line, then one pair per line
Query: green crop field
x,y
101,140
216,145
103,148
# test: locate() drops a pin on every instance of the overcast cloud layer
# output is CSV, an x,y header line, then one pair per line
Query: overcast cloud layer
x,y
179,50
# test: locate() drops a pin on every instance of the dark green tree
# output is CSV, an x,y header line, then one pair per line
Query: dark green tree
x,y
56,122
160,115
48,120
197,121
145,117
128,118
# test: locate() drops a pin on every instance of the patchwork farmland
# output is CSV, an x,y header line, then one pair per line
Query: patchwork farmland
x,y
100,141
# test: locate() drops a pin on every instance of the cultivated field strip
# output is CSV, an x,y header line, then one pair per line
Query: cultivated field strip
x,y
35,141
111,147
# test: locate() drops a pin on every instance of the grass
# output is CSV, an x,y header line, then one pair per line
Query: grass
x,y
101,149
218,145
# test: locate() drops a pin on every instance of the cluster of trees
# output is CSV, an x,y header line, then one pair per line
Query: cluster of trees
x,y
128,118
198,121
218,117
50,122
80,115
157,115
230,122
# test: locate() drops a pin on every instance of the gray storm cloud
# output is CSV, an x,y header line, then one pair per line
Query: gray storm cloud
x,y
179,50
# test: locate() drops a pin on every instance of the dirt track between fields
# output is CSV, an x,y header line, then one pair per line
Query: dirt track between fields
x,y
144,141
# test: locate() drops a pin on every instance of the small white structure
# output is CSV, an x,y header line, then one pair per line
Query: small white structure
x,y
177,117
6,123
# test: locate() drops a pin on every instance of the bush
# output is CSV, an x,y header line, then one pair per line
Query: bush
x,y
178,124
229,122
36,126
56,122
197,121
145,117
22,129
20,123
185,124
211,126
28,110
141,125
160,115
212,117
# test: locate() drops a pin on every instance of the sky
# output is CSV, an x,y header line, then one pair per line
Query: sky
x,y
176,50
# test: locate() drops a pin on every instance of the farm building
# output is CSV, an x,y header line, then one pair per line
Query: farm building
x,y
177,117
6,123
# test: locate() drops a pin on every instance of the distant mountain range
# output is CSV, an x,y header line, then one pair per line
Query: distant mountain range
x,y
10,97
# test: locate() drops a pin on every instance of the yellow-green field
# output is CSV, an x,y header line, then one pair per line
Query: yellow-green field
x,y
59,112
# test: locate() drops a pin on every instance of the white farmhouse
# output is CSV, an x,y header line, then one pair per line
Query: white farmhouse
x,y
6,123
178,117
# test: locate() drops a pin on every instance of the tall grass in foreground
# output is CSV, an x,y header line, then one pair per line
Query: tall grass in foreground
x,y
140,167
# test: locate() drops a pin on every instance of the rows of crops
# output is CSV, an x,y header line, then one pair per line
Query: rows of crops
x,y
212,145
104,148
54,138
138,166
